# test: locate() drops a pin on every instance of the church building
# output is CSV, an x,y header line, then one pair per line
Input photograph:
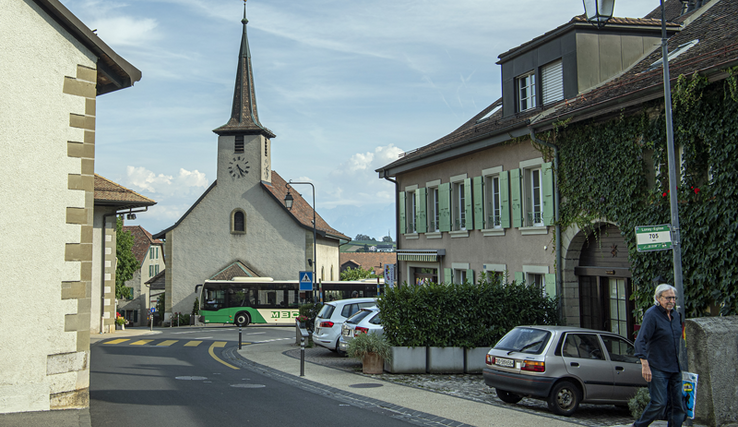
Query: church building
x,y
240,226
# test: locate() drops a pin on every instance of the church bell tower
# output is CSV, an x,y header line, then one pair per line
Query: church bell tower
x,y
244,144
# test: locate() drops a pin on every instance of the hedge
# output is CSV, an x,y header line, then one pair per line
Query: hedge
x,y
461,315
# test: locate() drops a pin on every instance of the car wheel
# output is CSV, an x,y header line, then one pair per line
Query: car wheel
x,y
508,397
242,319
564,398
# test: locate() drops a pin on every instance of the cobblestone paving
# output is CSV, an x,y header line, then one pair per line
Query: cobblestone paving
x,y
470,387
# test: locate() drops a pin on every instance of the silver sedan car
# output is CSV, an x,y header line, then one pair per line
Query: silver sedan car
x,y
564,366
365,321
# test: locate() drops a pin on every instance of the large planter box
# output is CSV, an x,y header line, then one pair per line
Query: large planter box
x,y
475,359
445,360
406,360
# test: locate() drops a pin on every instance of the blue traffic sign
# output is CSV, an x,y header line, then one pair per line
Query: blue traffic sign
x,y
306,280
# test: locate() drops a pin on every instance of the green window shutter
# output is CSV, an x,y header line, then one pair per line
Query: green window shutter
x,y
505,199
421,222
468,205
478,202
550,285
470,276
519,277
402,212
516,198
548,194
444,206
447,276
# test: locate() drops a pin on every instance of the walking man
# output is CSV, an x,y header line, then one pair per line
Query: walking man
x,y
657,345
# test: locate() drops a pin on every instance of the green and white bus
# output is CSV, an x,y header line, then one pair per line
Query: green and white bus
x,y
244,300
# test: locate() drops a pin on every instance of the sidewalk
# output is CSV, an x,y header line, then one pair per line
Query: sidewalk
x,y
397,397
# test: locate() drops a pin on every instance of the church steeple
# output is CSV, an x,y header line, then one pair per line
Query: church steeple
x,y
244,115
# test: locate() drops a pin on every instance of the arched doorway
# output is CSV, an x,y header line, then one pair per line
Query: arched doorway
x,y
605,282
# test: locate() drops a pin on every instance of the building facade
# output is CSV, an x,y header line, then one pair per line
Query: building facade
x,y
149,253
486,197
53,68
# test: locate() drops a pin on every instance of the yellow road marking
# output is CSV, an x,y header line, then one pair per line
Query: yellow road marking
x,y
219,344
167,343
141,342
118,341
193,343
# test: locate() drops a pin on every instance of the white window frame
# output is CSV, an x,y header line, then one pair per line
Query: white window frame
x,y
458,208
492,198
525,86
497,269
529,169
458,272
530,272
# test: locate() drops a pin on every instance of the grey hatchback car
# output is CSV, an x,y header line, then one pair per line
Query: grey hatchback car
x,y
564,366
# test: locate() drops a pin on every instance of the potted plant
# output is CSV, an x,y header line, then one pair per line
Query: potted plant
x,y
120,321
372,349
302,319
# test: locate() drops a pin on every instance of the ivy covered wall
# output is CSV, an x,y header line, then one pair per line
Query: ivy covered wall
x,y
604,172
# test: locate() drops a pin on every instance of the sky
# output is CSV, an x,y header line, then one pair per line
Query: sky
x,y
347,86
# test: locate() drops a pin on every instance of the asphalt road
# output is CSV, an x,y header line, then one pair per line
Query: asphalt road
x,y
180,378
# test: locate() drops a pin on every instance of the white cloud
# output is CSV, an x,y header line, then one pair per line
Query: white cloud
x,y
143,179
126,30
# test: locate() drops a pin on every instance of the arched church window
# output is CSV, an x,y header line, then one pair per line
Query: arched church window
x,y
238,222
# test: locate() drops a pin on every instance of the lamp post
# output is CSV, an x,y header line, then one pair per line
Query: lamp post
x,y
593,9
288,200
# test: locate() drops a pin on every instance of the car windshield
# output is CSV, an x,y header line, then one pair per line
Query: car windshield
x,y
524,340
358,316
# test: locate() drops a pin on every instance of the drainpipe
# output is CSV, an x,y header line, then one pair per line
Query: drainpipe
x,y
559,272
102,262
397,226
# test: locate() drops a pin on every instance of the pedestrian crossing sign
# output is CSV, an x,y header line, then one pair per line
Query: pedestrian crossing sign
x,y
306,281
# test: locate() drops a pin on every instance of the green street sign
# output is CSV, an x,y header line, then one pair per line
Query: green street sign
x,y
653,238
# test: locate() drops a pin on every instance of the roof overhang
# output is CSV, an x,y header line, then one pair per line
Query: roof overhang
x,y
113,72
459,148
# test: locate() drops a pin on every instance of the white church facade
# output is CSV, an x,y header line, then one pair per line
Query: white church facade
x,y
240,226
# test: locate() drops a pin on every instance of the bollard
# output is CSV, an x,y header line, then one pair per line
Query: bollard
x,y
302,356
239,338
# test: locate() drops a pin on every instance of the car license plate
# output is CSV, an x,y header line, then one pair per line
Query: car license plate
x,y
508,363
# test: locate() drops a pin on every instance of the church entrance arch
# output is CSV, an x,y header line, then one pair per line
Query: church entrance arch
x,y
604,281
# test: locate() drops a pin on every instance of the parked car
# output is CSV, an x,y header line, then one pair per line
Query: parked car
x,y
365,321
331,316
564,366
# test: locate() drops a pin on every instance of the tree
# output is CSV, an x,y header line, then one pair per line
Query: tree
x,y
363,237
387,239
127,263
357,273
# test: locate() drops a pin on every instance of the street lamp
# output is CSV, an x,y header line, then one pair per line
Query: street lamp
x,y
599,11
288,201
593,8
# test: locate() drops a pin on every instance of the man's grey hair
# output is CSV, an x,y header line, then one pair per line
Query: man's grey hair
x,y
660,289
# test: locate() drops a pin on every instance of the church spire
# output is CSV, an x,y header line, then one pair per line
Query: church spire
x,y
244,115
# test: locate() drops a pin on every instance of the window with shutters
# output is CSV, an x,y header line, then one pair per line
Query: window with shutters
x,y
552,82
432,208
531,189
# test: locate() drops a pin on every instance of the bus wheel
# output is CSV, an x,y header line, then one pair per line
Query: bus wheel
x,y
242,319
